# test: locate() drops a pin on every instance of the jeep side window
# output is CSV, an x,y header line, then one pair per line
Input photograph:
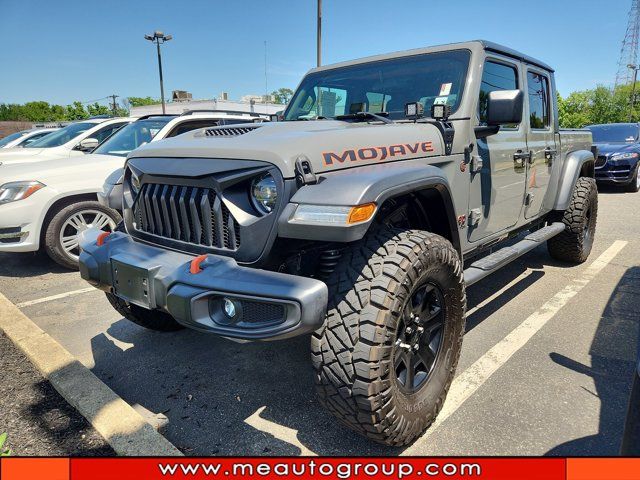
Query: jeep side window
x,y
495,76
538,90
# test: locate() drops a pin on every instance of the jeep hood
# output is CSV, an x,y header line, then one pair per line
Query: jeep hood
x,y
327,144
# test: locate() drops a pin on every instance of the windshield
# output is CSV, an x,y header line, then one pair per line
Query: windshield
x,y
383,86
131,136
10,138
62,136
621,133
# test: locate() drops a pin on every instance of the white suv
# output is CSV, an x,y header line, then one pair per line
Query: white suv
x,y
25,137
74,139
48,203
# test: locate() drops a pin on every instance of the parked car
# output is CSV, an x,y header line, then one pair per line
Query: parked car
x,y
111,194
351,219
25,137
48,203
618,159
75,139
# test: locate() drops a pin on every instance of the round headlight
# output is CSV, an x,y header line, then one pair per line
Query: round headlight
x,y
264,192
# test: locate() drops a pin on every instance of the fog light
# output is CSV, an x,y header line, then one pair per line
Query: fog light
x,y
229,308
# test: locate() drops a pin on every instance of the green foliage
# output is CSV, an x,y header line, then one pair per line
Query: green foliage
x,y
282,95
44,112
598,105
142,101
4,452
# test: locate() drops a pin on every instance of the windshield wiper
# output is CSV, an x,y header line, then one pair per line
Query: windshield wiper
x,y
380,116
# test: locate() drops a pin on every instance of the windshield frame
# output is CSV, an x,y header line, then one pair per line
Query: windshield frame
x,y
323,72
613,128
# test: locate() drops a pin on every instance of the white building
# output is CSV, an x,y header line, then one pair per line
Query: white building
x,y
216,104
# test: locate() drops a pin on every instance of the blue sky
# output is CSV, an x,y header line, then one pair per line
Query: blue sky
x,y
66,50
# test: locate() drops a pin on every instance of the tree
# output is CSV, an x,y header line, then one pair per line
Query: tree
x,y
76,111
142,101
282,95
97,109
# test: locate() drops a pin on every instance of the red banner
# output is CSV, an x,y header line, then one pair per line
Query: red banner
x,y
239,468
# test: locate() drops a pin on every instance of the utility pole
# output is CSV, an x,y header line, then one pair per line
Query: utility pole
x,y
158,38
114,105
633,88
319,35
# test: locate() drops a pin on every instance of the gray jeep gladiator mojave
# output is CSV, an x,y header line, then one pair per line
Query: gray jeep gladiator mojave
x,y
356,219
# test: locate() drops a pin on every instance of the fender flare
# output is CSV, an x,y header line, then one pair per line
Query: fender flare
x,y
376,183
571,168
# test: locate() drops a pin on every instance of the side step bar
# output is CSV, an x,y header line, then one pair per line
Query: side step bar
x,y
489,264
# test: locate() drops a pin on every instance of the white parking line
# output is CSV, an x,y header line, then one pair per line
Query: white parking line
x,y
469,381
282,433
55,297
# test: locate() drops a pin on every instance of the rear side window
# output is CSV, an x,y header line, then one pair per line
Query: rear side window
x,y
496,76
539,105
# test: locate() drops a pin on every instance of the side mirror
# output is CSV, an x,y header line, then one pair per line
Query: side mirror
x,y
504,107
87,144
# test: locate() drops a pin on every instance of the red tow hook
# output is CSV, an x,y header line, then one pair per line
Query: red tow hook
x,y
195,264
101,238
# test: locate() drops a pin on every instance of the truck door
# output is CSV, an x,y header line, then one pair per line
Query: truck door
x,y
497,187
541,144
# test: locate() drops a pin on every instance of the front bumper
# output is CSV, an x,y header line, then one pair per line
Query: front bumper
x,y
616,172
20,225
270,305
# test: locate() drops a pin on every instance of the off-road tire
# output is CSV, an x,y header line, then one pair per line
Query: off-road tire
x,y
633,185
52,243
151,319
575,242
352,352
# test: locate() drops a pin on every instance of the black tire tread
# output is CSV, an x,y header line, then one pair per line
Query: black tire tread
x,y
569,246
150,319
350,352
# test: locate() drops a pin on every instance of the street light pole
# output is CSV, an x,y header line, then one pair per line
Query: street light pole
x,y
158,38
319,35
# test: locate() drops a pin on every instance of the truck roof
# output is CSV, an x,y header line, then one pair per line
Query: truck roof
x,y
470,45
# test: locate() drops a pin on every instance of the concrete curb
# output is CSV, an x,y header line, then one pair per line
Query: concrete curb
x,y
121,426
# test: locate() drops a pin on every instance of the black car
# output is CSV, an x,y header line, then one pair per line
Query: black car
x,y
618,154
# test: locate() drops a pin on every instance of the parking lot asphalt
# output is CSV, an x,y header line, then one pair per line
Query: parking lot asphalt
x,y
546,365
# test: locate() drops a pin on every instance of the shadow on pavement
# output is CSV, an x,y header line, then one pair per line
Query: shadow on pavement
x,y
613,354
28,264
207,394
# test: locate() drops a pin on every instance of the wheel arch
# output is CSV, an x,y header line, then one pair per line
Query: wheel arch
x,y
580,163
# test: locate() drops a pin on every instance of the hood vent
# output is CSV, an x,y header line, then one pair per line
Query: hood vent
x,y
230,131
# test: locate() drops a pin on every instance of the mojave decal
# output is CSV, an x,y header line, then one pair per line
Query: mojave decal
x,y
377,153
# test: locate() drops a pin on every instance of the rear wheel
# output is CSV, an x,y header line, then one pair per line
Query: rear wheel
x,y
575,242
66,225
151,319
386,355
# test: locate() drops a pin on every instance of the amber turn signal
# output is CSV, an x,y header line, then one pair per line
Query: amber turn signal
x,y
361,213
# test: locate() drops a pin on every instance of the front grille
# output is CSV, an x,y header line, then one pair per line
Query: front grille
x,y
189,214
601,161
229,131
